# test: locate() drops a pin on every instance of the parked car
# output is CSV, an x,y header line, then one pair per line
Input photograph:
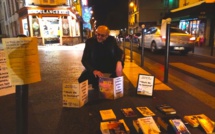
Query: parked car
x,y
179,40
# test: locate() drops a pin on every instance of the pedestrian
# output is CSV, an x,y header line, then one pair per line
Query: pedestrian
x,y
101,56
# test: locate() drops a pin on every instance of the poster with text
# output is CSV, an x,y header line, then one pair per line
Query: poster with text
x,y
22,60
145,85
5,83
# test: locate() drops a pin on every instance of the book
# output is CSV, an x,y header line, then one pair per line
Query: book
x,y
114,127
125,125
145,111
164,123
137,127
148,125
166,109
179,126
206,123
193,119
75,95
128,112
107,114
111,88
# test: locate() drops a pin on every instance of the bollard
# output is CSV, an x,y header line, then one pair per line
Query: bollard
x,y
22,109
142,45
131,49
167,50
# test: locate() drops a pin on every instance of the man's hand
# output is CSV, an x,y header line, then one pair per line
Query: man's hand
x,y
119,68
97,73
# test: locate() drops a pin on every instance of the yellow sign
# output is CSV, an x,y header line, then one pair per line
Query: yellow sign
x,y
22,60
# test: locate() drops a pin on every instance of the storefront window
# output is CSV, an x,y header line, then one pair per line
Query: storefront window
x,y
51,27
65,27
36,27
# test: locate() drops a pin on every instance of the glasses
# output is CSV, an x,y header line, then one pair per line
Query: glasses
x,y
102,35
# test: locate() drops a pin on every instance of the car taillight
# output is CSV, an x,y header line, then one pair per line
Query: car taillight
x,y
192,38
163,38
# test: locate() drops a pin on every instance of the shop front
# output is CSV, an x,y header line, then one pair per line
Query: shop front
x,y
51,25
197,20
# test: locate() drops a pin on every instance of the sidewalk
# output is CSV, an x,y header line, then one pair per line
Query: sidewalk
x,y
204,51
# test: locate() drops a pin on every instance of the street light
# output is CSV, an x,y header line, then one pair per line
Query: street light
x,y
131,4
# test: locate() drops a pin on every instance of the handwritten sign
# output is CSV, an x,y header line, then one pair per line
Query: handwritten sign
x,y
22,60
145,85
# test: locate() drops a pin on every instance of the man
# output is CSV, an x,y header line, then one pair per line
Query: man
x,y
101,55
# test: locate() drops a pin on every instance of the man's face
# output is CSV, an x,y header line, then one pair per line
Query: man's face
x,y
101,36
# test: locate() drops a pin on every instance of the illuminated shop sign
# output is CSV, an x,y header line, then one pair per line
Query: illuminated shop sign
x,y
48,12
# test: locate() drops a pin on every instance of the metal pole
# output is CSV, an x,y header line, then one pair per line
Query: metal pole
x,y
131,48
142,45
167,53
22,109
124,45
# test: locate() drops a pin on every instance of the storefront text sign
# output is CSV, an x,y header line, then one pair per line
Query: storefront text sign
x,y
48,11
22,60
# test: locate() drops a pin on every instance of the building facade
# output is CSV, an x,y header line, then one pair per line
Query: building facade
x,y
51,21
147,12
197,18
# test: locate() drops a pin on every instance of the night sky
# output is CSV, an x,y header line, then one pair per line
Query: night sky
x,y
113,13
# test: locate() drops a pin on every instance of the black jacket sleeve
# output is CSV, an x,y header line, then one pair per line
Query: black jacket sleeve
x,y
88,53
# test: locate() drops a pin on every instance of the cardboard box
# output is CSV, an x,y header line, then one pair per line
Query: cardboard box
x,y
111,88
75,94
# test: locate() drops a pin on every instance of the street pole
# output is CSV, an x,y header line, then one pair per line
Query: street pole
x,y
142,45
131,49
168,21
22,109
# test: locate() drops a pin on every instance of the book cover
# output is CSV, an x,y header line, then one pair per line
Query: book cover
x,y
164,123
75,94
193,119
179,126
145,111
107,114
128,112
114,127
148,125
166,109
125,125
111,88
137,127
206,123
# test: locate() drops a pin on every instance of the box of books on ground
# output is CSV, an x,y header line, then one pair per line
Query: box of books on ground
x,y
114,127
75,94
111,88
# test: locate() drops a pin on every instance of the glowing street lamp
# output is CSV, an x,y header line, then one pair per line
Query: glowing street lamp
x,y
131,4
